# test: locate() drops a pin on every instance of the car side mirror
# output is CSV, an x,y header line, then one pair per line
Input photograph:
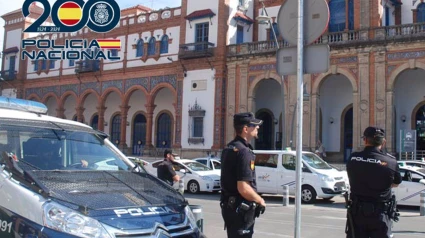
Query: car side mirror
x,y
422,181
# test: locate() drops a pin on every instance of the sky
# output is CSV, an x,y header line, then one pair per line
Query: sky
x,y
11,5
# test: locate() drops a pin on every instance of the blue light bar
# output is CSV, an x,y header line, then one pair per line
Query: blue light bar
x,y
22,105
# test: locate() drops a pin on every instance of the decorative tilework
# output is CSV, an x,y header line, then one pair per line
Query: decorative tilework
x,y
170,79
406,55
40,92
144,82
94,86
178,112
69,87
354,71
344,60
109,84
261,67
390,69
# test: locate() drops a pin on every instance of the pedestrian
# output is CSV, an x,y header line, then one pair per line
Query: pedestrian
x,y
372,174
238,181
141,148
165,170
320,149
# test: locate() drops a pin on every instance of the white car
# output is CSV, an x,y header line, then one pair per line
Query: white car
x,y
139,161
411,163
408,192
197,177
210,162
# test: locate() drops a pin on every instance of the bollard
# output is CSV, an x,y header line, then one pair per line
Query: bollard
x,y
285,195
197,213
422,204
181,186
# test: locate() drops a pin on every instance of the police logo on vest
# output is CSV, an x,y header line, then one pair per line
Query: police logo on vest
x,y
369,160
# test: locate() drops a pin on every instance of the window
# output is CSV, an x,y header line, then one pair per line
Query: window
x,y
35,65
52,64
201,35
338,17
43,64
421,13
217,165
266,160
198,126
387,16
116,129
288,162
164,45
114,52
151,46
276,30
139,48
71,62
202,161
239,35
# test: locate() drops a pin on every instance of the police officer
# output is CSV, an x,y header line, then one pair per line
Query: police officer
x,y
165,170
238,183
372,174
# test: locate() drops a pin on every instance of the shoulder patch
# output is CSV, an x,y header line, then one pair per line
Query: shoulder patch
x,y
235,149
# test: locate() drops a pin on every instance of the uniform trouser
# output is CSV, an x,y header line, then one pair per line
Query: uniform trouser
x,y
234,223
376,225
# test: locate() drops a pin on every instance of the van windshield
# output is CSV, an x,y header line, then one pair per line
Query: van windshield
x,y
315,161
59,147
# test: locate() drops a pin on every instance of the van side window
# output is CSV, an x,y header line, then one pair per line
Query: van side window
x,y
288,162
266,160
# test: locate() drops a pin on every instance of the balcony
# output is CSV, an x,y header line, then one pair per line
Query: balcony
x,y
196,50
86,66
8,74
357,38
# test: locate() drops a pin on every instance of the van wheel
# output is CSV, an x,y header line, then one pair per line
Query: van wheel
x,y
308,194
193,187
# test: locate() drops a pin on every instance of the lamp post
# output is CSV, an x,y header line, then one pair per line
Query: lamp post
x,y
264,19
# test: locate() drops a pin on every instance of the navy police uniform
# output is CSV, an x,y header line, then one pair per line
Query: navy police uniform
x,y
165,170
371,173
237,164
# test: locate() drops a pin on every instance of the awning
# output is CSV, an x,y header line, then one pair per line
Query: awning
x,y
239,16
11,50
200,14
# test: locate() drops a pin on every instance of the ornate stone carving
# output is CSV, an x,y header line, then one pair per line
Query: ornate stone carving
x,y
364,105
380,105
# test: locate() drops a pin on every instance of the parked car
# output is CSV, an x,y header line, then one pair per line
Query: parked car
x,y
276,168
411,163
197,177
212,163
408,192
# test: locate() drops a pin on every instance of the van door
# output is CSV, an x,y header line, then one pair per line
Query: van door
x,y
266,172
287,173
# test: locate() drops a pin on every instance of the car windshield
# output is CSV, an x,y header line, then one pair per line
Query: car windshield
x,y
196,166
315,161
39,148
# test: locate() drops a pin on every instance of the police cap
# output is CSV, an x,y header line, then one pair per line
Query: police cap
x,y
373,132
246,118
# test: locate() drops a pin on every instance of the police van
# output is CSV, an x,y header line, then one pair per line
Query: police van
x,y
276,168
61,178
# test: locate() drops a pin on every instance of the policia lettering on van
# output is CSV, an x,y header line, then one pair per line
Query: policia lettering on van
x,y
372,174
61,178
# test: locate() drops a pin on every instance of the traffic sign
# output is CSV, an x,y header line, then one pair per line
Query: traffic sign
x,y
316,59
316,19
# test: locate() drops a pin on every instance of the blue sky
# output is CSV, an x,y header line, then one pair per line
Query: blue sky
x,y
16,4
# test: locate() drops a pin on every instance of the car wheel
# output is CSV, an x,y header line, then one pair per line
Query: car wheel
x,y
308,194
328,199
193,187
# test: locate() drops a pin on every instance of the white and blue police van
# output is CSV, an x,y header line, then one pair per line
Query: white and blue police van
x,y
61,178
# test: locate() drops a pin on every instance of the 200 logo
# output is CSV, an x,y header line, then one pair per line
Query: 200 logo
x,y
73,15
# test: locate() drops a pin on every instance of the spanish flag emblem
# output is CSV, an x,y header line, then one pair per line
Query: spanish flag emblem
x,y
70,13
109,44
252,164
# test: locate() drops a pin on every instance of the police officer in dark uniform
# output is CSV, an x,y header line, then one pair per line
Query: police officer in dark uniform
x,y
238,180
372,174
165,170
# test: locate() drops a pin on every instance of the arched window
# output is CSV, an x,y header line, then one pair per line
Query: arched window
x,y
95,122
338,17
43,64
36,65
139,48
52,63
420,17
151,46
164,45
163,136
139,133
116,129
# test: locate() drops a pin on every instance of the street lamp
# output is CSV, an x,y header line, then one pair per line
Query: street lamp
x,y
264,19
